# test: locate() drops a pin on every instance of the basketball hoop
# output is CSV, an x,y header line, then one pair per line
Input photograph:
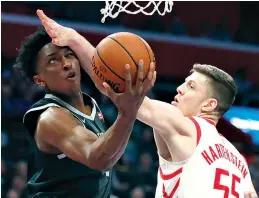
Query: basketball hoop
x,y
110,5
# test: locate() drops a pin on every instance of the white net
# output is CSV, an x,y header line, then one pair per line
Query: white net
x,y
123,5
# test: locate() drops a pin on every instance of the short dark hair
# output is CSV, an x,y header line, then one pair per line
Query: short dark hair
x,y
223,86
26,60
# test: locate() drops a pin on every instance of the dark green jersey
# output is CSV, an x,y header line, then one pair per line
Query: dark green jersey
x,y
56,175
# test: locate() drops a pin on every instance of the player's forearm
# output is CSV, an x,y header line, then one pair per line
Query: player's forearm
x,y
84,51
107,149
150,114
144,113
163,117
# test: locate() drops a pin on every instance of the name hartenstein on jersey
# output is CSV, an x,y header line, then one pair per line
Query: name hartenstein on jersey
x,y
213,153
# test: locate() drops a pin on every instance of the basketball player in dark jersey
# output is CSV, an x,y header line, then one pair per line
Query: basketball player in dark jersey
x,y
73,151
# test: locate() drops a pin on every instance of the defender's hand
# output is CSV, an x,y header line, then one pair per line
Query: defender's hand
x,y
250,195
61,36
130,100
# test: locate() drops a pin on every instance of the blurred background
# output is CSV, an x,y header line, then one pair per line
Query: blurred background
x,y
224,34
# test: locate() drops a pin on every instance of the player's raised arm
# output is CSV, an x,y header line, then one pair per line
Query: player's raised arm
x,y
166,118
80,144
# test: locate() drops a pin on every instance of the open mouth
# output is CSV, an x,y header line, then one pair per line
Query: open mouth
x,y
175,102
71,75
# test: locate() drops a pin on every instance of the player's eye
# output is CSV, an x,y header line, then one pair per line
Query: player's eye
x,y
53,60
70,55
191,86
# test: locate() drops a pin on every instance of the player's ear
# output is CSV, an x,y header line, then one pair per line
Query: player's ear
x,y
210,105
38,80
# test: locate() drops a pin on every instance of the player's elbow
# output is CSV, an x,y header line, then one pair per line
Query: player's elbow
x,y
165,129
142,116
145,115
98,166
99,161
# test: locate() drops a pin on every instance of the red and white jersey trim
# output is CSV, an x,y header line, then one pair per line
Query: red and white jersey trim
x,y
168,177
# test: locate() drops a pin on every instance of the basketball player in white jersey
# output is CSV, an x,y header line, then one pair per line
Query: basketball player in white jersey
x,y
195,161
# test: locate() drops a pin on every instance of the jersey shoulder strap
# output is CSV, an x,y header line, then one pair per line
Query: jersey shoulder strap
x,y
31,117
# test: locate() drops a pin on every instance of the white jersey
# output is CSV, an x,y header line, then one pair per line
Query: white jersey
x,y
215,170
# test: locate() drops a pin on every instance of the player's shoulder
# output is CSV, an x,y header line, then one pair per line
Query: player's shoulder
x,y
54,111
55,121
203,123
53,114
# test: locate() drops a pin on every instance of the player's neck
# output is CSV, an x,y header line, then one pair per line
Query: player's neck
x,y
76,100
211,117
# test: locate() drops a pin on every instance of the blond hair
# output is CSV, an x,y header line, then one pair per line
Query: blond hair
x,y
222,86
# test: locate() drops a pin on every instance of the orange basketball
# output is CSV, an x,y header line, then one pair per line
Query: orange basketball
x,y
114,52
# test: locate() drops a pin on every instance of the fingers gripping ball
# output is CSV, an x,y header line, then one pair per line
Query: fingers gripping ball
x,y
114,52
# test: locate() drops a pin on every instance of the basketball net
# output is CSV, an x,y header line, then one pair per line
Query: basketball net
x,y
110,5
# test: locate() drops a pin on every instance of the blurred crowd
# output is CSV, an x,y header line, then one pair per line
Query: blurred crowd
x,y
89,12
135,175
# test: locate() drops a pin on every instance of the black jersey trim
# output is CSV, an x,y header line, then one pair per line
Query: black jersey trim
x,y
73,109
40,108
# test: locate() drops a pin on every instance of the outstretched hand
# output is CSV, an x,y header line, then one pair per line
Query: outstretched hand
x,y
61,36
130,100
250,195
